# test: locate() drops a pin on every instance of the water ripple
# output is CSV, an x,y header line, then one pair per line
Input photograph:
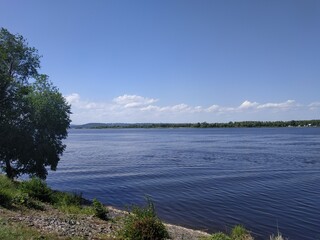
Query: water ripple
x,y
209,179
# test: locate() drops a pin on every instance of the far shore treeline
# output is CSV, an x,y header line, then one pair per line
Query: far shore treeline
x,y
243,124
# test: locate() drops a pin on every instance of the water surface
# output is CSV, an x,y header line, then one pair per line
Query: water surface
x,y
267,179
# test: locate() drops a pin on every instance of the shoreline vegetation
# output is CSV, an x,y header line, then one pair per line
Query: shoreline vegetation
x,y
242,124
31,210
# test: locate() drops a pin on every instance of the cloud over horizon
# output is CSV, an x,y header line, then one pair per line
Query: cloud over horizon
x,y
133,108
133,101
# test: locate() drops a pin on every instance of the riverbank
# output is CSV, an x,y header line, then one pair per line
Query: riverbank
x,y
51,223
31,210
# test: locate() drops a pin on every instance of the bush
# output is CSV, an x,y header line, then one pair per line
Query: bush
x,y
69,203
6,183
218,236
240,233
99,210
24,199
7,191
143,224
237,233
38,189
11,195
5,198
66,199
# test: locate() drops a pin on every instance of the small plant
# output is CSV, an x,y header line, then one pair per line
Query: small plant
x,y
99,210
240,233
36,188
5,198
6,183
143,224
24,199
66,199
277,237
218,236
70,203
7,191
237,233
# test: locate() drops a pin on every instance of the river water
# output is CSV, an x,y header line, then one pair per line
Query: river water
x,y
267,179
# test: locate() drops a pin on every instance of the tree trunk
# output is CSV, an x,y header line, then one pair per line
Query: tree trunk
x,y
9,170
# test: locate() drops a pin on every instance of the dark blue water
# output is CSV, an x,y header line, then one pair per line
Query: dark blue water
x,y
208,179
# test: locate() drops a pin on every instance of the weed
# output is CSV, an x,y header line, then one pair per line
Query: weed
x,y
70,203
218,236
36,188
7,191
277,237
5,198
143,224
240,233
66,199
99,210
237,233
6,183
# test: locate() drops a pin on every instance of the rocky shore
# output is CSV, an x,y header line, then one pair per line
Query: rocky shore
x,y
66,226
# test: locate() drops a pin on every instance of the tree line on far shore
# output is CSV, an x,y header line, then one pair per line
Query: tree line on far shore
x,y
242,124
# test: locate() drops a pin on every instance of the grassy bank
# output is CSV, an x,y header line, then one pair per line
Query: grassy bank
x,y
31,210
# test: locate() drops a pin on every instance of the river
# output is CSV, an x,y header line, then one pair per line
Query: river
x,y
267,179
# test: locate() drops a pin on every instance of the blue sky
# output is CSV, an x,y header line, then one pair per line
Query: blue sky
x,y
177,60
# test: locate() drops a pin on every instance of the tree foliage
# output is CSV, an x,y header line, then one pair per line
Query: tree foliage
x,y
34,116
244,124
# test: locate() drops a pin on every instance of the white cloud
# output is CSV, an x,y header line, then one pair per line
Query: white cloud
x,y
283,105
213,108
198,109
172,109
75,101
180,108
134,108
247,104
72,98
150,108
314,105
133,101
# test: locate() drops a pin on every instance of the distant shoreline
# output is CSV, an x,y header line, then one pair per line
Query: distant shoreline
x,y
242,124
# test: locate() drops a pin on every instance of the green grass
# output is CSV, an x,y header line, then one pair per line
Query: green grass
x,y
72,209
15,194
6,198
70,203
237,233
8,191
6,183
37,189
34,192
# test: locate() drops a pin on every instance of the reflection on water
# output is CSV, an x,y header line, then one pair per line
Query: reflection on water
x,y
210,179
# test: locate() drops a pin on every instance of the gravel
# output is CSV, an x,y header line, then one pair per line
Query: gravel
x,y
88,227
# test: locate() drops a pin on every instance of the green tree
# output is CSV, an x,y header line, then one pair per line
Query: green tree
x,y
34,116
